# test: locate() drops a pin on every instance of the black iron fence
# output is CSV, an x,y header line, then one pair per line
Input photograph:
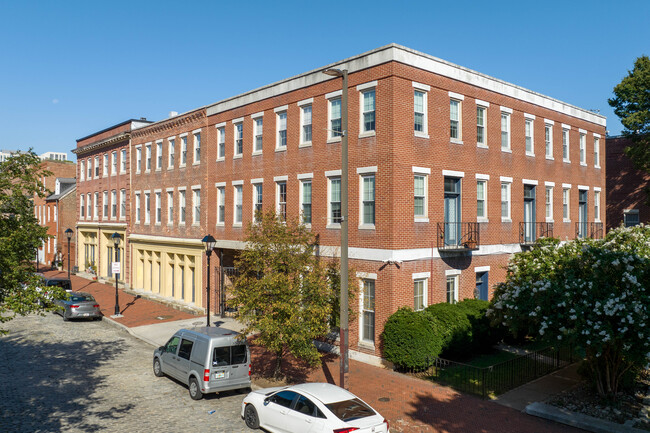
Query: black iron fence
x,y
593,230
224,276
529,232
498,378
458,236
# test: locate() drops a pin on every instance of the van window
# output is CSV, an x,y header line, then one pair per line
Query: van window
x,y
229,355
172,345
186,349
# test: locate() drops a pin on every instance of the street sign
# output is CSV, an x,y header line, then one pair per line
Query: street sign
x,y
115,268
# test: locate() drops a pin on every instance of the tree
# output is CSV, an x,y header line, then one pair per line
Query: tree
x,y
593,294
632,105
20,235
284,292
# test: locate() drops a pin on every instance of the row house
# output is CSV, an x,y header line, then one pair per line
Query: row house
x,y
450,173
61,207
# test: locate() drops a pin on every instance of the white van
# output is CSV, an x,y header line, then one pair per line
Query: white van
x,y
207,359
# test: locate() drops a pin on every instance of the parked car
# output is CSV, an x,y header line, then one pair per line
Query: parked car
x,y
310,407
46,286
207,359
78,305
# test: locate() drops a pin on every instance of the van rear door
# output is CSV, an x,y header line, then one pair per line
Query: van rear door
x,y
229,365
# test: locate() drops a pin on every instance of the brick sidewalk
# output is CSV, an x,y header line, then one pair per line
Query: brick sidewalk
x,y
409,404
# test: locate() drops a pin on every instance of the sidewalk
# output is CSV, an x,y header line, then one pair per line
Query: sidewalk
x,y
410,405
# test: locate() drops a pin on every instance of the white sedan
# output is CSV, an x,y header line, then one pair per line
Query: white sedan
x,y
310,408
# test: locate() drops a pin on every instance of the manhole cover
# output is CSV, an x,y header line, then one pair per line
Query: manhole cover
x,y
384,399
164,317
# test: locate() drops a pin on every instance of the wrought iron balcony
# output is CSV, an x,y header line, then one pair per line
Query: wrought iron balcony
x,y
529,232
458,236
593,230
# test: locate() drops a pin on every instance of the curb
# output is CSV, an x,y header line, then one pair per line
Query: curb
x,y
585,422
127,329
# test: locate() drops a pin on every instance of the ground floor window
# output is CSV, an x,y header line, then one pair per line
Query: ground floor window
x,y
452,289
419,294
368,311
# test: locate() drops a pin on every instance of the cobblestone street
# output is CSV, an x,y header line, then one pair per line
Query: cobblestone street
x,y
89,376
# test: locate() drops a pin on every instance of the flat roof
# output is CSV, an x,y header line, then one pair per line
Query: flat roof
x,y
141,120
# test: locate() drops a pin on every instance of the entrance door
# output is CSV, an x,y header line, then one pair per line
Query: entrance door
x,y
482,285
452,211
529,213
582,213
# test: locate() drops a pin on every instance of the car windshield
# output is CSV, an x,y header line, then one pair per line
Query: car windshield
x,y
81,298
349,410
64,284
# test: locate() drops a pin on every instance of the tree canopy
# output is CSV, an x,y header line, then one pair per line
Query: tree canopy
x,y
631,104
20,234
593,294
284,292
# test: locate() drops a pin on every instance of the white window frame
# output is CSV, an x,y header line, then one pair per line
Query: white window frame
x,y
82,207
258,131
507,182
82,171
238,201
221,203
597,150
221,141
89,169
196,201
566,143
182,161
105,206
597,208
421,277
582,140
122,204
196,140
548,205
529,119
170,206
482,105
171,152
105,165
147,158
458,98
548,144
279,112
364,89
566,202
95,206
331,97
507,114
453,275
257,183
235,124
425,173
147,207
114,163
88,207
182,206
332,175
366,172
306,178
278,181
305,105
123,161
424,89
370,277
96,167
482,178
158,155
158,207
138,159
138,205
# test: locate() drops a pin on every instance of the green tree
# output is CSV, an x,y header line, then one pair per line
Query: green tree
x,y
589,293
20,234
631,104
284,292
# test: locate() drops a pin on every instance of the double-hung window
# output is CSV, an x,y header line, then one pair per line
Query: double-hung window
x,y
583,147
596,151
96,205
88,206
565,143
481,120
113,204
420,190
420,290
281,121
368,107
221,205
105,205
452,287
158,207
258,127
221,142
183,161
505,129
196,204
454,119
90,169
82,171
238,190
368,200
171,152
147,207
548,138
181,206
114,163
197,146
368,311
96,167
138,159
334,217
305,198
566,200
105,166
334,111
123,161
170,207
147,166
281,197
122,204
82,206
258,194
159,154
549,201
481,197
529,134
239,138
305,122
506,184
596,204
137,207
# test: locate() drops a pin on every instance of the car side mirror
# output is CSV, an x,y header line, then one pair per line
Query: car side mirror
x,y
267,400
161,348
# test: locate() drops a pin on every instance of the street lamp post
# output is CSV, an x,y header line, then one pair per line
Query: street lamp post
x,y
116,241
37,259
68,234
343,73
209,243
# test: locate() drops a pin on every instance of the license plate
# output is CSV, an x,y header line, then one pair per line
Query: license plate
x,y
86,314
220,375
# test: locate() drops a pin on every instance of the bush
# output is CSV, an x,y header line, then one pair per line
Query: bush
x,y
454,327
484,336
411,339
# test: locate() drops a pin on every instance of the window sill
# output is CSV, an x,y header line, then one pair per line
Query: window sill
x,y
221,159
367,134
550,158
137,222
550,220
506,220
597,166
159,169
366,344
170,224
148,171
482,146
196,163
196,224
236,225
506,150
568,161
584,164
482,220
257,152
366,227
306,144
307,226
530,154
566,220
334,140
280,149
455,141
113,174
237,156
221,224
333,226
421,219
181,224
138,172
158,224
420,134
181,165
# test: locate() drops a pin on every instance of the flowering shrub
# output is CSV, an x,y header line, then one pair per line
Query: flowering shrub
x,y
594,294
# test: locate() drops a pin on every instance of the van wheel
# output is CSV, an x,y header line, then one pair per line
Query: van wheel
x,y
157,370
250,417
195,391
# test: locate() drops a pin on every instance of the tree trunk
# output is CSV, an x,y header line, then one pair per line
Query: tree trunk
x,y
277,373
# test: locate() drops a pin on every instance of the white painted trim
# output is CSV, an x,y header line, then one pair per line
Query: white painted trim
x,y
529,116
596,135
505,179
451,272
333,94
196,131
159,141
582,131
220,125
366,86
506,109
166,239
547,183
170,189
366,170
305,176
482,103
455,95
307,101
237,182
181,188
281,109
237,120
157,190
597,188
421,170
332,173
583,187
529,182
367,275
257,180
420,275
219,184
549,122
453,173
565,126
280,178
482,176
566,185
420,86
257,115
482,269
195,187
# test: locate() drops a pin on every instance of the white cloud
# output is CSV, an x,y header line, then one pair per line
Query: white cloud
x,y
55,101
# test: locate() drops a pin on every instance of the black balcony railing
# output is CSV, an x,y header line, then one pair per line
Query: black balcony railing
x,y
529,232
593,230
458,236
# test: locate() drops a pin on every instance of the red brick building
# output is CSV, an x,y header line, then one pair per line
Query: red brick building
x,y
61,205
450,172
626,187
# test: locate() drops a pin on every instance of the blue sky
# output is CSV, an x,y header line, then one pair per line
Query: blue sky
x,y
71,68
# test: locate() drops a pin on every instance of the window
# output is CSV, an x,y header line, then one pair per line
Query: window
x,y
197,206
197,147
137,207
452,289
96,167
55,213
171,152
368,112
420,113
258,127
282,130
238,204
257,201
481,202
368,200
239,138
419,294
113,204
185,349
528,131
305,203
138,159
549,203
95,205
170,207
90,169
221,143
505,200
147,208
305,124
335,200
88,206
596,205
82,171
122,204
105,205
114,162
183,150
282,200
548,139
583,149
335,118
181,206
159,155
565,204
420,196
565,145
631,217
454,119
505,131
105,166
123,161
158,208
82,207
368,311
221,205
147,166
596,151
480,126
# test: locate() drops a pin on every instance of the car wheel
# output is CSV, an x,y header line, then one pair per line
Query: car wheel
x,y
195,391
250,417
157,369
